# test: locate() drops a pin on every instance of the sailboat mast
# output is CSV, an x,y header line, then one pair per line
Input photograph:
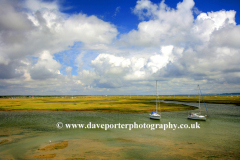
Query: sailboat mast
x,y
156,96
159,103
199,98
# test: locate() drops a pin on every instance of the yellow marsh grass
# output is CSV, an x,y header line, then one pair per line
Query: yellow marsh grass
x,y
111,103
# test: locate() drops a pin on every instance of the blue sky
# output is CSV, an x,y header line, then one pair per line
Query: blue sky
x,y
119,47
119,12
106,10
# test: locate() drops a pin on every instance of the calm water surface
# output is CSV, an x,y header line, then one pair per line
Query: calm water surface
x,y
217,138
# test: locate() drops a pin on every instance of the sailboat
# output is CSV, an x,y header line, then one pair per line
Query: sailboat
x,y
155,115
198,116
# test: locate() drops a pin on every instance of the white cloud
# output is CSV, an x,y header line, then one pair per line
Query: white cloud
x,y
169,45
79,61
145,8
134,68
36,5
42,28
68,70
87,77
45,68
109,65
4,58
89,29
12,20
166,26
227,36
117,11
46,28
207,23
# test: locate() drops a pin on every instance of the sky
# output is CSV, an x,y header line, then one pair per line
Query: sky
x,y
119,47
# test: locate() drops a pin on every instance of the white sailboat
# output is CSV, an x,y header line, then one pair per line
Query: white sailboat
x,y
197,116
155,115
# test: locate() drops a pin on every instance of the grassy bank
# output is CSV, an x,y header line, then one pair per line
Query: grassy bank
x,y
102,104
234,99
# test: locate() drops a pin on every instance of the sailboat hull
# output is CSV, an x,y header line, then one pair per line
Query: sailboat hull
x,y
155,116
197,117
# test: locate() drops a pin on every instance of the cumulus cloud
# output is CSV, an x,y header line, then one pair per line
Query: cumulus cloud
x,y
207,23
45,68
134,68
169,45
51,30
9,71
11,19
165,26
227,37
34,28
201,49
